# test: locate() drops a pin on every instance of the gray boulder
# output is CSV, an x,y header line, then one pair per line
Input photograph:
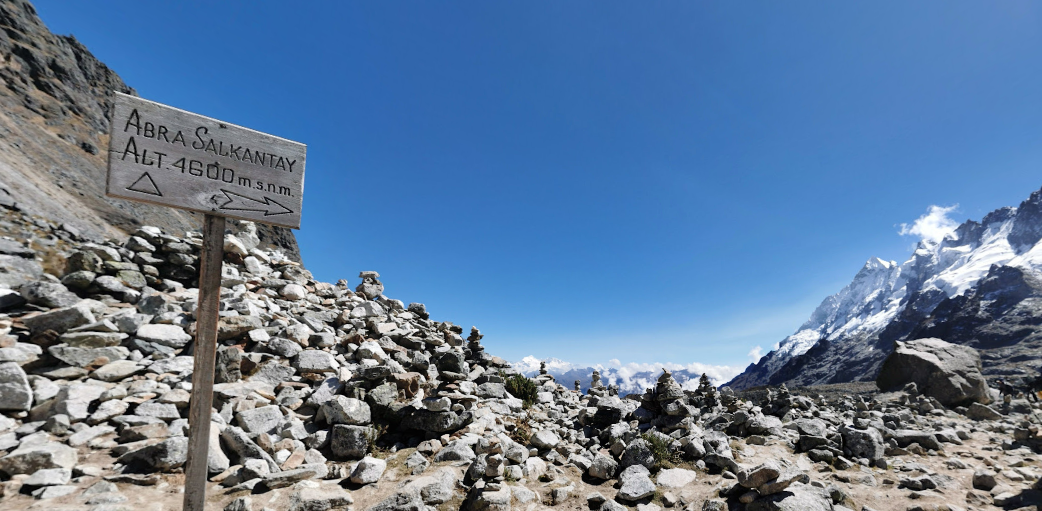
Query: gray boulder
x,y
638,452
15,391
635,484
240,443
260,420
347,410
455,451
603,467
163,456
977,411
61,320
30,458
49,477
948,372
863,443
349,441
48,294
368,470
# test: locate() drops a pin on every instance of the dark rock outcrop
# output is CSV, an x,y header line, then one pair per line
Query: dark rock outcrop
x,y
942,370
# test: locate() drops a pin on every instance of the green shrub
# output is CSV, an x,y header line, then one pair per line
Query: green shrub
x,y
522,388
665,455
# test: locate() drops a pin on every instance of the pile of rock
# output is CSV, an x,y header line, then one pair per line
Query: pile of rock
x,y
320,387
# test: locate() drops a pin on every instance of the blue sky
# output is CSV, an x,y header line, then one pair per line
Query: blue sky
x,y
671,181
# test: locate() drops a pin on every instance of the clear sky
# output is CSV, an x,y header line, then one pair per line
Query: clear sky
x,y
665,181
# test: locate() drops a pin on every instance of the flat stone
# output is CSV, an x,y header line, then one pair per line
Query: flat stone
x,y
260,420
92,339
27,459
232,327
316,361
675,477
176,365
163,456
60,320
319,499
758,475
368,470
118,370
85,357
53,492
289,477
49,477
48,294
164,411
86,435
166,335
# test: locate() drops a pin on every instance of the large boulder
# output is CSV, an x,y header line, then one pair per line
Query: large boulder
x,y
948,372
38,456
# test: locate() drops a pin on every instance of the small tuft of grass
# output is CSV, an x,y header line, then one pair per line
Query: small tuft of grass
x,y
665,456
522,431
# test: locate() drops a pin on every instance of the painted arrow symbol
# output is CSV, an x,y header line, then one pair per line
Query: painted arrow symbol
x,y
237,202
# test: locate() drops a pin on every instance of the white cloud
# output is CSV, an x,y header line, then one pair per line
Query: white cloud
x,y
755,354
932,226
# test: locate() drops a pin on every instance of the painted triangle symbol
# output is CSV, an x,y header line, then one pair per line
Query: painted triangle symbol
x,y
144,184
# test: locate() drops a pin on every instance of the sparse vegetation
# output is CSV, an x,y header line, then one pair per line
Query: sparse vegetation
x,y
665,455
521,431
522,388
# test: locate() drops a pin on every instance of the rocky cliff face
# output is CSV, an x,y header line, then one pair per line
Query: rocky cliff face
x,y
55,102
980,287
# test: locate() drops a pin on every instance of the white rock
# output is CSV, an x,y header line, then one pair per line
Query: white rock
x,y
49,477
368,470
15,392
293,292
545,439
166,335
675,477
316,361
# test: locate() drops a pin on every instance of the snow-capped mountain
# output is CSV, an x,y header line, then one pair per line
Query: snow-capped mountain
x,y
852,331
632,378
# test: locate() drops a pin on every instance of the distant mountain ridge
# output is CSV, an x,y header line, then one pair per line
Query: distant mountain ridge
x,y
631,378
55,103
978,286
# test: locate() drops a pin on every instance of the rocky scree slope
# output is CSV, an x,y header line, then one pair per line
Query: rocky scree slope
x,y
980,287
55,105
332,398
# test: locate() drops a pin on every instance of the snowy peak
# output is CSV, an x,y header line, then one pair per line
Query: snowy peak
x,y
632,378
940,267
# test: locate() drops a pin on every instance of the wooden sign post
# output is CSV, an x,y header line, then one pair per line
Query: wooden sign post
x,y
161,155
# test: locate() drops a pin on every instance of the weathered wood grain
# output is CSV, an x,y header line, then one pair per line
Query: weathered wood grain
x,y
162,155
201,402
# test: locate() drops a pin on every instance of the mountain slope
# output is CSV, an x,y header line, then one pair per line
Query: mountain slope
x,y
978,286
55,101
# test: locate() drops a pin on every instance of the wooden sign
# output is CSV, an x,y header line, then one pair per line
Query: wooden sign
x,y
162,155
